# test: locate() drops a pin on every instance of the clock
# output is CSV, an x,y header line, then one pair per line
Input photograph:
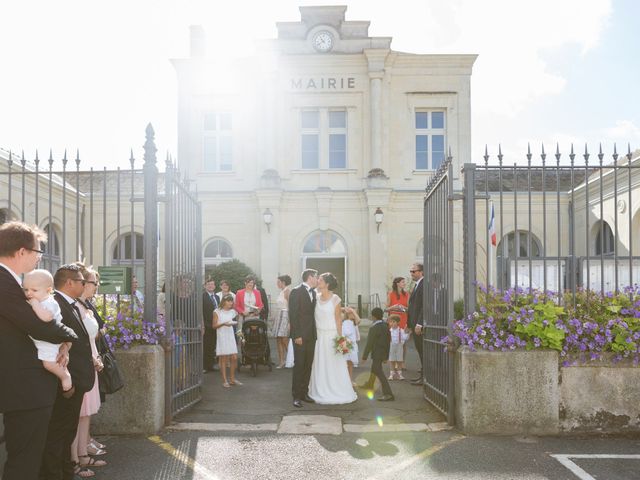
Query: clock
x,y
323,41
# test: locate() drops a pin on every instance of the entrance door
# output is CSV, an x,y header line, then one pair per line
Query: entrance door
x,y
333,265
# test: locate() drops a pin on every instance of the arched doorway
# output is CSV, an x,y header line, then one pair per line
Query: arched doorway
x,y
326,251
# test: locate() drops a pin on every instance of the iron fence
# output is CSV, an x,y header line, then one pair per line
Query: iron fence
x,y
559,225
107,217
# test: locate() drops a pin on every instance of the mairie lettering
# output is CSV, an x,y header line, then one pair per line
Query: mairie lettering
x,y
323,83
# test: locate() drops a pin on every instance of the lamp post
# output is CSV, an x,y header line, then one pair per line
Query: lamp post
x,y
379,216
267,216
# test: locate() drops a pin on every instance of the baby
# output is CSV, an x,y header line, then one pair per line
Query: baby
x,y
37,286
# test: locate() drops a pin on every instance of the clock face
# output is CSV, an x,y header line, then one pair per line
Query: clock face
x,y
323,41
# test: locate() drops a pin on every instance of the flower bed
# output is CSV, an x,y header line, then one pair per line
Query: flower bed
x,y
581,328
126,326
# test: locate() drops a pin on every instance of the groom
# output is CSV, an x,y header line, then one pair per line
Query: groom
x,y
302,304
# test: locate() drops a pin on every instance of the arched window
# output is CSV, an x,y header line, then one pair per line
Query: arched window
x,y
512,243
217,251
604,239
51,257
324,242
128,251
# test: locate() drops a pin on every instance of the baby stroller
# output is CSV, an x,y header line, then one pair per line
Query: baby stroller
x,y
255,347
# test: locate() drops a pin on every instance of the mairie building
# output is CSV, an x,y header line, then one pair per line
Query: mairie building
x,y
299,147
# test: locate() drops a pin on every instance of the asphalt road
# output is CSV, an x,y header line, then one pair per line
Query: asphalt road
x,y
232,434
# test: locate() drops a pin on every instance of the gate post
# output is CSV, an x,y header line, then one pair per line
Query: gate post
x,y
150,227
469,237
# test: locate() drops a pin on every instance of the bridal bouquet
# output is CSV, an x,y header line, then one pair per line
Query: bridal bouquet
x,y
342,345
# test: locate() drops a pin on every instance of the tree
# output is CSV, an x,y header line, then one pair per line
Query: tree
x,y
233,271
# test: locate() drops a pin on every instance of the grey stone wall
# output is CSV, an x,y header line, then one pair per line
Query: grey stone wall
x,y
139,406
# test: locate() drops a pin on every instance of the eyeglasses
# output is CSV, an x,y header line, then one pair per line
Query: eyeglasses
x,y
414,271
81,280
41,252
92,282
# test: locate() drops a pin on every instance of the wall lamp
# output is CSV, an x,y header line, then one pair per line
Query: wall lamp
x,y
267,216
379,216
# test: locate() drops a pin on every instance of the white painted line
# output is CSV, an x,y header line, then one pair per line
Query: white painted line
x,y
400,427
439,427
579,472
225,427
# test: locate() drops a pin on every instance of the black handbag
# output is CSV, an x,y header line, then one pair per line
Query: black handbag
x,y
110,377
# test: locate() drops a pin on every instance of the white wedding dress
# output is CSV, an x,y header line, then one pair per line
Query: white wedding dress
x,y
330,383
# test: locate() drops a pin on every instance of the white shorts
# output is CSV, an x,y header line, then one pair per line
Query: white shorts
x,y
47,352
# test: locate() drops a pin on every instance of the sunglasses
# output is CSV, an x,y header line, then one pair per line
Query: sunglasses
x,y
414,271
92,282
79,280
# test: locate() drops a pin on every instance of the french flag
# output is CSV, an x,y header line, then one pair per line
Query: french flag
x,y
492,227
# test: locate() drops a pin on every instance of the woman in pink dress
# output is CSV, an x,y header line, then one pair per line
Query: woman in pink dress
x,y
91,400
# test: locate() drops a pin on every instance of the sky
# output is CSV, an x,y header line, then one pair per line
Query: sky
x,y
88,76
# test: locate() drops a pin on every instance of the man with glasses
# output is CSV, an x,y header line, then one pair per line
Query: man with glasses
x,y
415,314
56,460
27,391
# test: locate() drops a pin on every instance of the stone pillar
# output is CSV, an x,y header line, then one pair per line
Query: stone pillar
x,y
376,119
269,240
378,241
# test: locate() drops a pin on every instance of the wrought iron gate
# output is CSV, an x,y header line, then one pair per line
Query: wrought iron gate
x,y
438,287
183,291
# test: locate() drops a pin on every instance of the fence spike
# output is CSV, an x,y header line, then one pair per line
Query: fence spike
x,y
543,155
23,161
586,155
572,155
629,151
64,159
131,159
78,157
615,153
50,160
557,153
486,155
600,154
500,154
528,153
10,158
36,160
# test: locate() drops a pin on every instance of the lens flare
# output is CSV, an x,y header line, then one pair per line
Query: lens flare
x,y
379,420
370,394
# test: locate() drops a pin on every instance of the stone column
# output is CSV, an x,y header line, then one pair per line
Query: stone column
x,y
376,118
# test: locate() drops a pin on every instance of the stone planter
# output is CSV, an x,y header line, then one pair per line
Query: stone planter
x,y
600,396
507,393
139,406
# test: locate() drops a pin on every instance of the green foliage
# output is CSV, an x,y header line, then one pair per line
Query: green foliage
x,y
458,309
233,271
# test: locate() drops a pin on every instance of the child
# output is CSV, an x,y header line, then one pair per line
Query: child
x,y
226,347
37,286
398,338
378,345
350,322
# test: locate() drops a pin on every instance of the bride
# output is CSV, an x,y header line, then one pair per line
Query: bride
x,y
330,383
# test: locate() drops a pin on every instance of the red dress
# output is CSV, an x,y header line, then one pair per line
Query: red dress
x,y
400,299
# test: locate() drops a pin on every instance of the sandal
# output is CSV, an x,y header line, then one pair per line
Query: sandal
x,y
97,444
82,472
226,385
236,382
92,462
95,450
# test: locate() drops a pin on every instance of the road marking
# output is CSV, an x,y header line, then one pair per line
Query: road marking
x,y
564,459
419,456
225,427
183,458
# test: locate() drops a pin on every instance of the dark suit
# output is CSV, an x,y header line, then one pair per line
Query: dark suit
x,y
27,390
416,316
264,313
56,460
302,325
378,343
209,339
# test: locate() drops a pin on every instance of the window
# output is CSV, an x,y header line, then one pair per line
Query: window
x,y
217,142
217,251
604,239
511,244
51,257
128,251
327,242
430,136
323,139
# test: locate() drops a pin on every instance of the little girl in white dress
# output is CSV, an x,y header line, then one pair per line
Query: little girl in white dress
x,y
350,322
226,347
